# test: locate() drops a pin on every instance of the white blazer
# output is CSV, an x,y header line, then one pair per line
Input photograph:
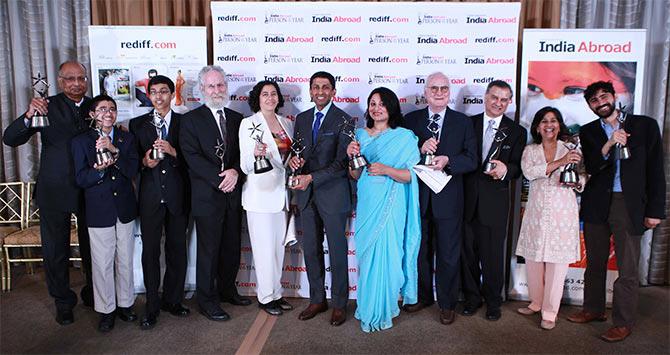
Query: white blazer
x,y
265,193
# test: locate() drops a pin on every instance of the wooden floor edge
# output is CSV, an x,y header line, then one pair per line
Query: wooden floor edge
x,y
258,334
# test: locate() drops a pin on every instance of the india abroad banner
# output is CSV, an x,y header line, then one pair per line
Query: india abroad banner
x,y
124,58
364,46
557,66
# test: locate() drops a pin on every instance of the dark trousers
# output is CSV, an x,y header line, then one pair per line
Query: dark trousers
x,y
313,222
627,249
175,256
218,256
440,240
483,256
55,233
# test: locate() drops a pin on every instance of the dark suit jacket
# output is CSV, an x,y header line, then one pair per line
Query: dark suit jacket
x,y
56,187
458,142
326,160
111,195
486,198
198,136
169,179
642,177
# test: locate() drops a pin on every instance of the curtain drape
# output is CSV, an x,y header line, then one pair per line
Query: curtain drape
x,y
653,15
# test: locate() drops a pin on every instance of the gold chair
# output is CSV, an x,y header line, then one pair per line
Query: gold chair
x,y
29,236
11,219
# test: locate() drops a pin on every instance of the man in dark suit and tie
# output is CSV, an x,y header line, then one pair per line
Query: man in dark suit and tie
x,y
624,196
58,195
324,197
209,142
163,203
442,213
487,201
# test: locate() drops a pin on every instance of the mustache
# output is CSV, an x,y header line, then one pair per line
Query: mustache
x,y
604,105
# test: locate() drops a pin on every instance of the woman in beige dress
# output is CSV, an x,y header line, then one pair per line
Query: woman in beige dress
x,y
549,237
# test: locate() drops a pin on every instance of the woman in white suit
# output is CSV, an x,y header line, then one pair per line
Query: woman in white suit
x,y
264,195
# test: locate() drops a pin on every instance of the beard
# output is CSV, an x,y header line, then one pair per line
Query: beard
x,y
216,103
606,113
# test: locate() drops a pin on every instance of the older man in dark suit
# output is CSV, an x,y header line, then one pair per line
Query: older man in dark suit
x,y
442,213
163,193
324,197
58,196
487,201
624,196
209,143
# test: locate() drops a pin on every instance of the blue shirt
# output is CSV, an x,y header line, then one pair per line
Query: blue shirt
x,y
609,130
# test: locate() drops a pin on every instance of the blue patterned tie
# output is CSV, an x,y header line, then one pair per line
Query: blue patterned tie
x,y
164,129
317,124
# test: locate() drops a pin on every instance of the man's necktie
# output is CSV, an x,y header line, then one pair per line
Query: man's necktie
x,y
435,125
488,139
163,129
315,128
222,125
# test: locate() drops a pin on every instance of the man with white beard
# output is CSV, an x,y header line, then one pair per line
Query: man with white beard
x,y
210,146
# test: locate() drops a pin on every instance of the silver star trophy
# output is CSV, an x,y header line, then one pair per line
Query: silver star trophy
x,y
102,155
621,152
297,148
500,136
40,86
434,129
262,164
220,151
569,176
358,161
159,123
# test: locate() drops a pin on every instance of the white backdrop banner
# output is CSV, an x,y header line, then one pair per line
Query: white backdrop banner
x,y
364,45
556,68
123,58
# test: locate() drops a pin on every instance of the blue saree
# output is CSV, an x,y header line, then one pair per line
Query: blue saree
x,y
388,229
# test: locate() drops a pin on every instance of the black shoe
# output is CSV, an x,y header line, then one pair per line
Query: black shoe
x,y
64,317
271,308
126,314
470,309
493,314
415,307
87,295
148,321
236,300
217,315
106,322
285,306
176,309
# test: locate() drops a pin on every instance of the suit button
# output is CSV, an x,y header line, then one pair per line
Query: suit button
x,y
113,177
114,193
163,171
163,186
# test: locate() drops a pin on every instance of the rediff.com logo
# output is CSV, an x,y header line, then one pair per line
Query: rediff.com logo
x,y
148,44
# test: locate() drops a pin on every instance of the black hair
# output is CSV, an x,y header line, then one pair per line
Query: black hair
x,y
255,95
392,104
539,115
161,79
93,104
322,74
500,84
592,89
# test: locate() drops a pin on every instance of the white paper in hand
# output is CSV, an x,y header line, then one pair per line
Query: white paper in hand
x,y
435,179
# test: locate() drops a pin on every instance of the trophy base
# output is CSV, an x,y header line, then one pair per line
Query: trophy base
x,y
292,181
569,177
488,167
103,157
427,159
39,121
157,154
358,162
622,153
262,166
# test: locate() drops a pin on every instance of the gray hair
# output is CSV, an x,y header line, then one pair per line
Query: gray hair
x,y
435,75
207,69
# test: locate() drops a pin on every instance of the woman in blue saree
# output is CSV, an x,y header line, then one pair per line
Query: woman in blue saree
x,y
388,230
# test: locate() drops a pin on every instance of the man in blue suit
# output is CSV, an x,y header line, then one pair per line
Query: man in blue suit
x,y
455,152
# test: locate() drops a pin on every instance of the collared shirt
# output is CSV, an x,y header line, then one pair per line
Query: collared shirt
x,y
216,117
609,130
485,125
440,122
324,111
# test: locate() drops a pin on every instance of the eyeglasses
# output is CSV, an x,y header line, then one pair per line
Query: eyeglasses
x,y
160,92
71,79
104,110
435,89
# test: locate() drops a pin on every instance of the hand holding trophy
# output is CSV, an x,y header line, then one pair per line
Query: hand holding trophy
x,y
102,155
262,163
159,123
297,147
569,176
434,128
357,161
500,136
40,86
621,152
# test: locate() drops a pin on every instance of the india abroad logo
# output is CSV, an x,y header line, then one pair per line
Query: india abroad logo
x,y
236,18
327,58
432,39
375,78
328,18
479,59
235,38
280,38
276,58
240,78
425,19
282,18
279,78
425,59
421,80
481,19
388,39
348,100
559,46
473,100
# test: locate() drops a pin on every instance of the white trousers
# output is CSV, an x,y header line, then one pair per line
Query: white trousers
x,y
112,266
266,233
545,287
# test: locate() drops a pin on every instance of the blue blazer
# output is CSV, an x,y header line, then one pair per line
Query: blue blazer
x,y
108,195
458,142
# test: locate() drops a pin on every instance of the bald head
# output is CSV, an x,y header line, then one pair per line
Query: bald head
x,y
72,80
